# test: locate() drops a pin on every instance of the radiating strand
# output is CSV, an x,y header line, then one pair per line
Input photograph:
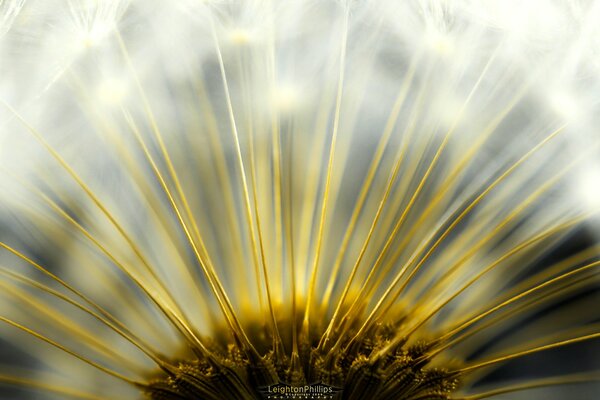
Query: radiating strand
x,y
206,260
370,177
531,241
389,185
446,232
286,219
120,329
44,386
460,166
519,309
289,225
578,258
277,342
466,324
276,152
215,284
103,249
406,137
439,346
143,318
239,162
72,353
135,248
352,312
154,298
448,184
147,194
221,170
328,173
503,224
523,353
535,384
50,316
311,184
466,211
407,208
55,278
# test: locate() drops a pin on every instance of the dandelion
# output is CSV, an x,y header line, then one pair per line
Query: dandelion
x,y
299,199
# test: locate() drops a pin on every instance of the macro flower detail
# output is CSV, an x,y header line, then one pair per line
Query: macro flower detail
x,y
294,199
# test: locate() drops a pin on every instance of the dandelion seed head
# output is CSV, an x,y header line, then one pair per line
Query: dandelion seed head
x,y
208,199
